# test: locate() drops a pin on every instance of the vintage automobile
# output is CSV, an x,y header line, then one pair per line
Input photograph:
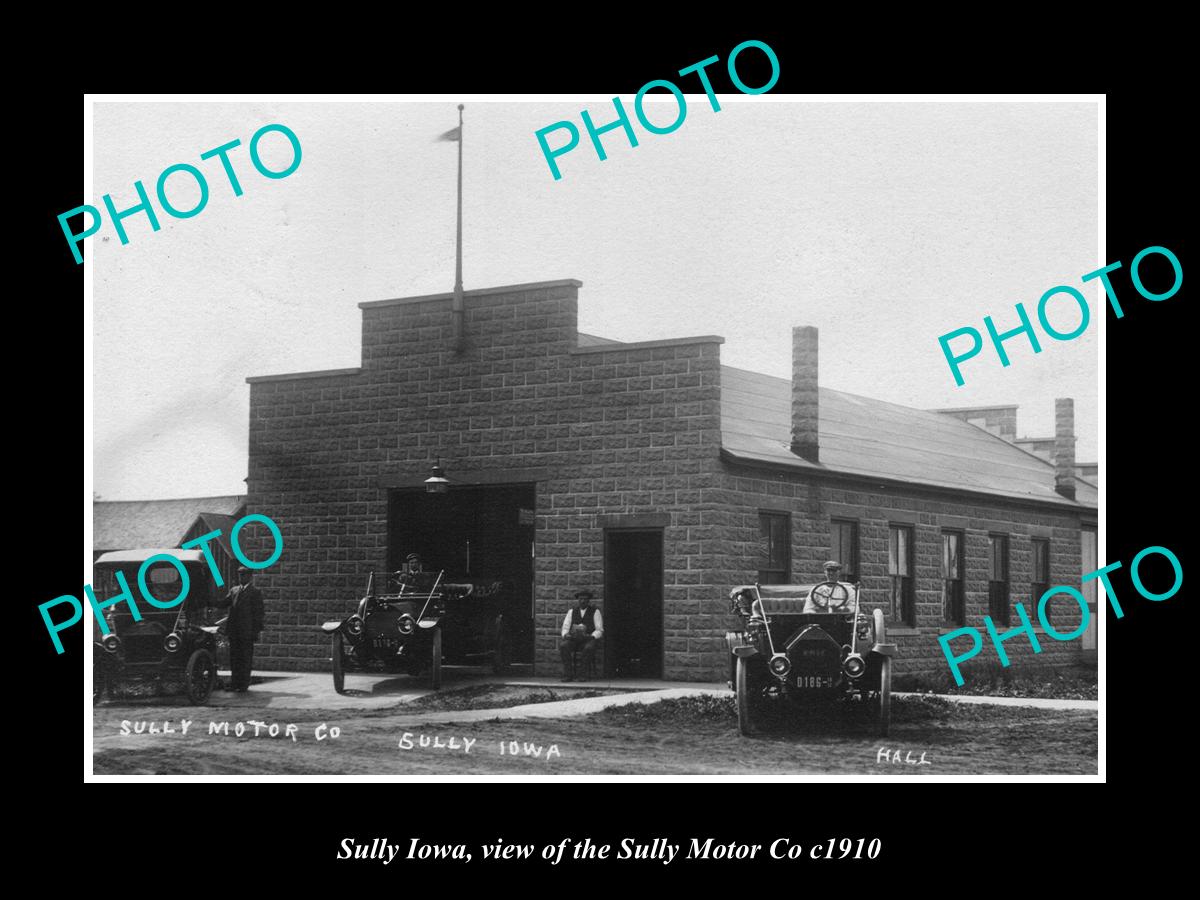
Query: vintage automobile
x,y
171,650
785,655
402,629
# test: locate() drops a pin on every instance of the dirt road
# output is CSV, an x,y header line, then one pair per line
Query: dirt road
x,y
695,736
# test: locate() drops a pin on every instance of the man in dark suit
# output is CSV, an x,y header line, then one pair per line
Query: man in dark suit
x,y
243,626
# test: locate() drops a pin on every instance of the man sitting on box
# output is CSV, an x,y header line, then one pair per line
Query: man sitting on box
x,y
581,632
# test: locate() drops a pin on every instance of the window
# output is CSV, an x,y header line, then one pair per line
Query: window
x,y
775,548
998,606
900,567
843,542
1041,571
954,610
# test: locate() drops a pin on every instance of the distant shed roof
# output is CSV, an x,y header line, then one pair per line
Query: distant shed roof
x,y
861,436
122,524
139,555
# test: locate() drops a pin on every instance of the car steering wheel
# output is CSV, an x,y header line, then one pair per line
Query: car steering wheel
x,y
830,595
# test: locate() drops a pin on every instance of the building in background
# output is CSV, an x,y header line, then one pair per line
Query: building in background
x,y
140,524
649,473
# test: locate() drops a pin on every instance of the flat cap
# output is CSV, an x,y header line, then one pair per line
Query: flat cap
x,y
584,595
831,564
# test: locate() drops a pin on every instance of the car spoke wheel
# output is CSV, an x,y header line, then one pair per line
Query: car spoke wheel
x,y
335,653
885,696
201,673
435,672
749,698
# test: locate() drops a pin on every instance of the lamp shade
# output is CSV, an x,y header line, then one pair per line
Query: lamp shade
x,y
437,483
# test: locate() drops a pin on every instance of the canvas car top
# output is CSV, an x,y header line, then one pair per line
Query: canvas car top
x,y
124,557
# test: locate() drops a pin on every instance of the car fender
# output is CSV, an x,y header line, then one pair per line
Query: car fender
x,y
884,649
331,627
746,651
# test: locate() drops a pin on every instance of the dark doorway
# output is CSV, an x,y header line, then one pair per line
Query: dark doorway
x,y
478,534
633,603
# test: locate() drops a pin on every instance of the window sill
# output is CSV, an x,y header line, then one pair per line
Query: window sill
x,y
902,630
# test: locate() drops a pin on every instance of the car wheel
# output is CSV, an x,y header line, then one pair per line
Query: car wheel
x,y
747,699
880,627
885,696
335,655
201,673
435,671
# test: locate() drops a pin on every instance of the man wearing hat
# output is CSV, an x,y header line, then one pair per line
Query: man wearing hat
x,y
831,594
414,576
581,632
243,626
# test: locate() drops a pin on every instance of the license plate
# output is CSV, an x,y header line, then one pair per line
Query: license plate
x,y
814,681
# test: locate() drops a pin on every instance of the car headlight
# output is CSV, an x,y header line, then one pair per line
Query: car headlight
x,y
854,665
406,624
780,665
354,625
111,643
172,642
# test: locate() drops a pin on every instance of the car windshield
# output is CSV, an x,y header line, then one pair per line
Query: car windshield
x,y
163,582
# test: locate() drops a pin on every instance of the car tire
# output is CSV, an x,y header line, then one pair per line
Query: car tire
x,y
201,674
435,670
336,652
747,703
880,626
885,696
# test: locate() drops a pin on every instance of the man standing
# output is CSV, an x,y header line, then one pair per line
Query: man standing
x,y
581,631
243,626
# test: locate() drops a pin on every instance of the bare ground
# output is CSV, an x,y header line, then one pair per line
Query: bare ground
x,y
692,736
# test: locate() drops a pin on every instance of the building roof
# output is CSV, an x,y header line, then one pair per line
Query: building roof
x,y
121,524
871,438
221,522
120,557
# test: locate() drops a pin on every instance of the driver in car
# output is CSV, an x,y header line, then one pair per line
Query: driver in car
x,y
830,594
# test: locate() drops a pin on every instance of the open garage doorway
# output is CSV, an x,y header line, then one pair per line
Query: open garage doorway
x,y
480,535
633,603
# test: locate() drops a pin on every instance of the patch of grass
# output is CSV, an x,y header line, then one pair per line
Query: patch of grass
x,y
994,680
702,708
839,715
498,696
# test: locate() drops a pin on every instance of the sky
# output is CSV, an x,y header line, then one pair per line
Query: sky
x,y
885,225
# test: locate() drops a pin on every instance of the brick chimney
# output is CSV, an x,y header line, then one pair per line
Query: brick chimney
x,y
1064,447
805,401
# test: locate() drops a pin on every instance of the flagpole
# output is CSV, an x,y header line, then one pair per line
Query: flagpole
x,y
458,282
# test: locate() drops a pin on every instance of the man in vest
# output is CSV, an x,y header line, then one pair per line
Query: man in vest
x,y
581,632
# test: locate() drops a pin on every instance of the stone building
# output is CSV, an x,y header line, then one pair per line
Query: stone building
x,y
647,472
